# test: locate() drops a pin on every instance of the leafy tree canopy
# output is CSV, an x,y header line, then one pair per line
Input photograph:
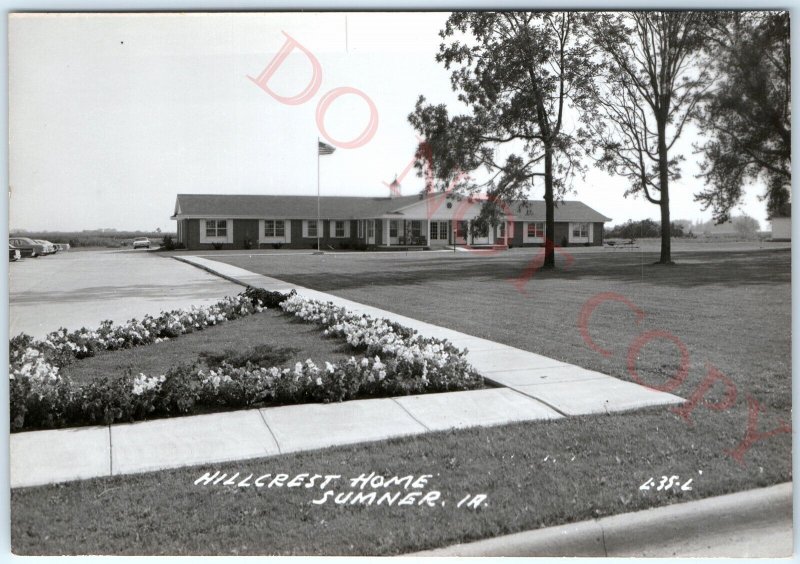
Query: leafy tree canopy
x,y
747,117
518,74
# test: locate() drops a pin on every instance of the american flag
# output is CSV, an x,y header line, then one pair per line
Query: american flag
x,y
325,149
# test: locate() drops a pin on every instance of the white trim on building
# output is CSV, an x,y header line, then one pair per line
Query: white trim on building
x,y
580,232
222,230
336,232
533,231
271,231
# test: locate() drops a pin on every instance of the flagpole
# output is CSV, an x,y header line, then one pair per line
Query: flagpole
x,y
318,213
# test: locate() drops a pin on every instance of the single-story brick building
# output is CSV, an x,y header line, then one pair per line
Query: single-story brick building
x,y
208,221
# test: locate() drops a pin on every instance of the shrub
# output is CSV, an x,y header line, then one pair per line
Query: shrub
x,y
277,245
168,243
265,298
264,356
217,246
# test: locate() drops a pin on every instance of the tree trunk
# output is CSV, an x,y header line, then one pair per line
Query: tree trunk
x,y
550,223
663,171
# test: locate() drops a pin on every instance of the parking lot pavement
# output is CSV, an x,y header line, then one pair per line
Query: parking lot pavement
x,y
82,288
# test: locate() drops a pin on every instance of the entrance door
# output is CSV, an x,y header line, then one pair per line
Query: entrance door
x,y
461,228
370,232
438,232
503,233
393,228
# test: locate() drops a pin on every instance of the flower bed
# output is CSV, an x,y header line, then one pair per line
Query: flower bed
x,y
395,361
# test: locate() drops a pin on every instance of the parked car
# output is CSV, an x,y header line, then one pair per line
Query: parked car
x,y
141,242
62,246
27,247
13,253
49,248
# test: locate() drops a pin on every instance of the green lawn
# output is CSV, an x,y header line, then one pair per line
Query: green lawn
x,y
534,475
731,309
270,327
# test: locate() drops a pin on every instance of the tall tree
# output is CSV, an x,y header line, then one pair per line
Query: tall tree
x,y
517,73
649,84
747,117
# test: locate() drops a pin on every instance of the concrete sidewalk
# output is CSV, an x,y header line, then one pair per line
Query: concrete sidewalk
x,y
566,388
533,387
44,457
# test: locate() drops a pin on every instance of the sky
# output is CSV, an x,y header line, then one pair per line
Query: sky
x,y
112,115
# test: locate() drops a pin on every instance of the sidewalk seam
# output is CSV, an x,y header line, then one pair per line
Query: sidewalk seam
x,y
534,398
410,414
212,271
603,537
274,438
110,453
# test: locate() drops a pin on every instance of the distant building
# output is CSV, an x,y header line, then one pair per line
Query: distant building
x,y
208,221
781,228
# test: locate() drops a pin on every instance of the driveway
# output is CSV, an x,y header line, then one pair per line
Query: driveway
x,y
82,288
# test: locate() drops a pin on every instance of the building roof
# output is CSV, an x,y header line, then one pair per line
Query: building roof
x,y
349,207
566,210
287,207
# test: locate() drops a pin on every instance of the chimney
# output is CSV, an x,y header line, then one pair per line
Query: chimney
x,y
394,189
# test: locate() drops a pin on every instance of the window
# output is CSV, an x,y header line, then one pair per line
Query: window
x,y
580,230
535,230
370,229
311,229
338,229
274,228
393,228
438,230
416,228
216,228
501,230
